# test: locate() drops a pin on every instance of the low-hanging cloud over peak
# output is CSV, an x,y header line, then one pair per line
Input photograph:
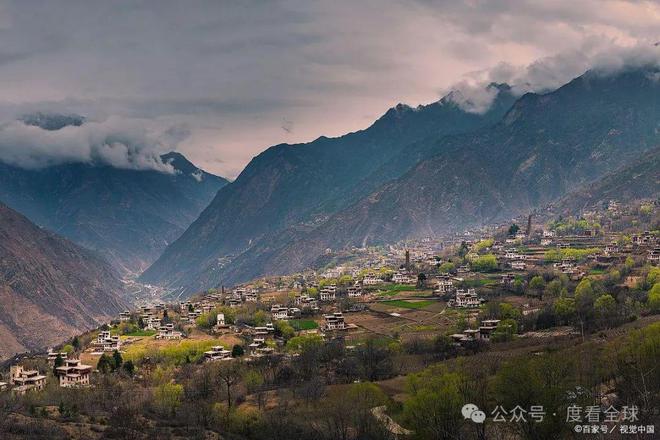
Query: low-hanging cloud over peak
x,y
39,140
475,93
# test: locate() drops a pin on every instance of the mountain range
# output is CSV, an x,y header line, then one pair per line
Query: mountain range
x,y
50,288
415,172
128,216
297,187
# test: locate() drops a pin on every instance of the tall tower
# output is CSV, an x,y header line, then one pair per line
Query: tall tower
x,y
407,259
529,226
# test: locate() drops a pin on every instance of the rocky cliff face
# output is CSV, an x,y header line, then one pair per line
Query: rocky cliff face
x,y
50,288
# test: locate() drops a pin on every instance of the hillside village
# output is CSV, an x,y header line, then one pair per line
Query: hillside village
x,y
381,316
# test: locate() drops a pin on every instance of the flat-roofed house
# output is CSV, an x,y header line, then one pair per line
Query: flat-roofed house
x,y
25,380
73,373
217,353
335,321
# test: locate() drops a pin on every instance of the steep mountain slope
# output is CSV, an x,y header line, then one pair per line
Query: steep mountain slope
x,y
641,180
50,288
129,216
299,186
545,146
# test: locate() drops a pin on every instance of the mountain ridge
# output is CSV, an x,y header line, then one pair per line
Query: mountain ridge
x,y
129,216
291,186
50,288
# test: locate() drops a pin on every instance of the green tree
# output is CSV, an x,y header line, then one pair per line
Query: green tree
x,y
129,367
447,267
654,298
421,280
605,307
537,284
433,409
237,351
284,329
553,289
513,229
564,308
105,364
117,360
168,397
59,361
485,263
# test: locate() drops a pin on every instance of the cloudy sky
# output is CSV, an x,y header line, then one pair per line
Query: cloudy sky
x,y
223,80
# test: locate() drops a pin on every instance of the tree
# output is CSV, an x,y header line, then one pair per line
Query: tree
x,y
553,289
168,397
584,303
375,359
230,374
447,267
485,263
513,229
129,368
254,381
59,361
117,360
105,364
76,343
537,284
505,330
421,280
433,409
237,351
605,307
564,308
654,298
284,329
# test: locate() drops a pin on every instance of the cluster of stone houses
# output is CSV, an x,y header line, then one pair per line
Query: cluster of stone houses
x,y
403,276
465,299
167,332
306,302
73,373
105,342
280,312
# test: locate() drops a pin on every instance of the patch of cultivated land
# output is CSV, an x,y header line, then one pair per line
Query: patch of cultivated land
x,y
408,304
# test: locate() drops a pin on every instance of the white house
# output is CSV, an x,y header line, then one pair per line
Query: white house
x,y
466,299
354,291
106,342
217,353
371,280
279,312
73,373
445,285
335,321
403,277
328,293
167,332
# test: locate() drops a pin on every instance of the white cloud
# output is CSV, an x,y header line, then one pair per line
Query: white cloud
x,y
116,142
550,73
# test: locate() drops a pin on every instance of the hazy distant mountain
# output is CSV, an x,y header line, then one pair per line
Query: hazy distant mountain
x,y
129,216
638,181
50,288
299,186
